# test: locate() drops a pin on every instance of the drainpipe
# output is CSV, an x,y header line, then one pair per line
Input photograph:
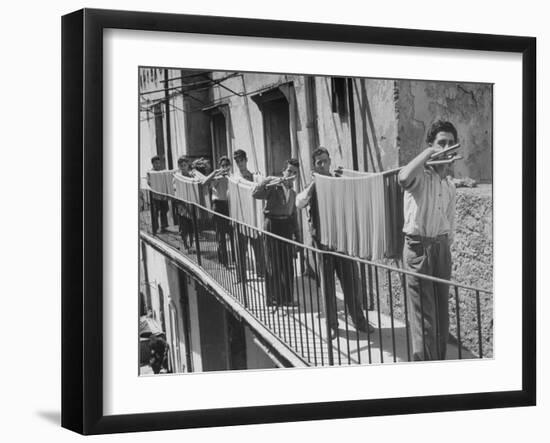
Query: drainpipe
x,y
168,130
352,128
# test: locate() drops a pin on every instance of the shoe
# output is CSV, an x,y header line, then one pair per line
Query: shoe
x,y
365,327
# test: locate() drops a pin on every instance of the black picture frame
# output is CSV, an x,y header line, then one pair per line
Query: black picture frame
x,y
82,215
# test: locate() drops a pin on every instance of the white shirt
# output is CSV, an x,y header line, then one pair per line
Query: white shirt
x,y
302,199
430,206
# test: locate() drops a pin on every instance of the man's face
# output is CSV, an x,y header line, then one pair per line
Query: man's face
x,y
224,165
290,171
321,164
241,163
184,167
157,165
443,140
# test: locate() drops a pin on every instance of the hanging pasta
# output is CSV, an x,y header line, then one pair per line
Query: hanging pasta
x,y
242,206
189,189
161,181
352,213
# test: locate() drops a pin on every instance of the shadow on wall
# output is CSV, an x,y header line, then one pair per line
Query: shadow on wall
x,y
371,150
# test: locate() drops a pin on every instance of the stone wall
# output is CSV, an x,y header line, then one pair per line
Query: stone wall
x,y
467,105
473,246
472,253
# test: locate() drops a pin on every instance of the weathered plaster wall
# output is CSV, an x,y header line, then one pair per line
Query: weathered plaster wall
x,y
467,105
391,119
377,123
375,119
245,126
334,132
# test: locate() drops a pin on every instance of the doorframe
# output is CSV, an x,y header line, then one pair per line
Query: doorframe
x,y
220,109
281,91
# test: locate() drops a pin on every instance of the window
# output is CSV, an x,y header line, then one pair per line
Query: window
x,y
339,99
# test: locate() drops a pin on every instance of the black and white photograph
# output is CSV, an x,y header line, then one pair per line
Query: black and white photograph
x,y
298,220
275,222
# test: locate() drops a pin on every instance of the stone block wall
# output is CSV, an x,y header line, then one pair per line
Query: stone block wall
x,y
472,253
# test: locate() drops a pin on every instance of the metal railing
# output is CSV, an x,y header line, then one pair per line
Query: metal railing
x,y
291,289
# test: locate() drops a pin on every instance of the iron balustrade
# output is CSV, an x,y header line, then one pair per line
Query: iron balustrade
x,y
280,282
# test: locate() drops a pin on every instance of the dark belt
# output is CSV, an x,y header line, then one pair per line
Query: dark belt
x,y
423,239
277,217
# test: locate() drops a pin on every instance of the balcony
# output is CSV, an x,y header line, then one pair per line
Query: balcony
x,y
232,256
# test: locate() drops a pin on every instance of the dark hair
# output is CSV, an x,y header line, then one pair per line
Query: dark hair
x,y
319,151
440,126
184,159
155,158
223,158
239,153
200,164
293,162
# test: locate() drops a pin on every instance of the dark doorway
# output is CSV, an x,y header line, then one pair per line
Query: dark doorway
x,y
237,343
159,131
213,332
218,128
186,318
276,119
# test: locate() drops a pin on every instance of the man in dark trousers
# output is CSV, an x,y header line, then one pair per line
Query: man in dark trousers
x,y
183,209
280,219
429,210
218,183
346,270
241,161
159,202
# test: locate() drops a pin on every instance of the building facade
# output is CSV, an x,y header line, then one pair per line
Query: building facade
x,y
366,124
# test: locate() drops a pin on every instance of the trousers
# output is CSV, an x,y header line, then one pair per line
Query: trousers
x,y
243,238
159,207
223,229
347,272
428,301
186,230
279,263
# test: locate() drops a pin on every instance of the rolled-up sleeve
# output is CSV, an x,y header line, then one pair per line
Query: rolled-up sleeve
x,y
260,192
302,199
